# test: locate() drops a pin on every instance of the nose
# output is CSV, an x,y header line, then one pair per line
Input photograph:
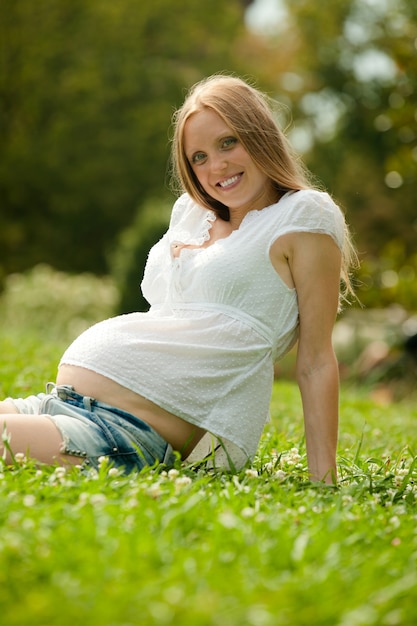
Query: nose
x,y
218,163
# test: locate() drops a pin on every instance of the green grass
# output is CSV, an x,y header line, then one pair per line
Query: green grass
x,y
262,548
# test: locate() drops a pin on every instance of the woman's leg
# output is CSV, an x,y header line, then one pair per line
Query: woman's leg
x,y
7,407
36,436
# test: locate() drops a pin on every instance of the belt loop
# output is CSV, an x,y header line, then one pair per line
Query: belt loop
x,y
62,391
50,388
87,401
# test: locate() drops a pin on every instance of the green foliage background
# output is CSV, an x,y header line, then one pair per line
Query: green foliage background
x,y
87,89
350,80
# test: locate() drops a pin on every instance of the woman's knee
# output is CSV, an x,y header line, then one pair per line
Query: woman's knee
x,y
6,406
35,436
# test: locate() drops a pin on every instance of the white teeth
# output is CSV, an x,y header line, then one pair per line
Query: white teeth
x,y
229,181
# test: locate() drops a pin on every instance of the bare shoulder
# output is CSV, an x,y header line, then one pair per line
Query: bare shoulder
x,y
303,258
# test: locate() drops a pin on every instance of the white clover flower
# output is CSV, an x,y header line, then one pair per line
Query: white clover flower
x,y
28,524
247,512
280,474
103,460
114,471
174,595
173,474
97,499
260,616
251,473
60,472
398,481
181,482
29,500
292,457
228,519
154,490
402,471
83,497
20,458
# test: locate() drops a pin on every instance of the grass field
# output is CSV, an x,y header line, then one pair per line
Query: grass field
x,y
261,548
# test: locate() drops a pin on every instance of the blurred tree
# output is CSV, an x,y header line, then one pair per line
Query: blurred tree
x,y
129,258
87,89
350,80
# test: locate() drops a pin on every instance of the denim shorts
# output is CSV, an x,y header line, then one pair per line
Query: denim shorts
x,y
91,429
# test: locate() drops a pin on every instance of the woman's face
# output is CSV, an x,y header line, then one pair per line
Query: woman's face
x,y
222,165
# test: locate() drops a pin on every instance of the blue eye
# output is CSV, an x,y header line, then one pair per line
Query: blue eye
x,y
198,157
228,142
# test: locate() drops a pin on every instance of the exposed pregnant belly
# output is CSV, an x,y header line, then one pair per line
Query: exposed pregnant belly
x,y
182,435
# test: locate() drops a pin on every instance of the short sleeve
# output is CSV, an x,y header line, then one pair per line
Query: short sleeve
x,y
315,212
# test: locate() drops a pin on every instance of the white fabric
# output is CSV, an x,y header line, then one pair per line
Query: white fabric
x,y
219,317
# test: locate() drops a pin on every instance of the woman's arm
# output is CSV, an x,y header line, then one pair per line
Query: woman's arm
x,y
314,261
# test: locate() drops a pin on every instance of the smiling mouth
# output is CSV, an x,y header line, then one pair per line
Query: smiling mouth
x,y
229,182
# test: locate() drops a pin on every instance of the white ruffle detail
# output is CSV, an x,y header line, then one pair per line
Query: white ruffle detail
x,y
198,223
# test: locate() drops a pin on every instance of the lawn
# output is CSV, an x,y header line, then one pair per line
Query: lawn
x,y
260,548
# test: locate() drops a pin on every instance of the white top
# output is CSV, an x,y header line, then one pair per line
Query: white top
x,y
219,317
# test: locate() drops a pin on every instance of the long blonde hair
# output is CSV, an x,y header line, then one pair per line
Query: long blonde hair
x,y
249,114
